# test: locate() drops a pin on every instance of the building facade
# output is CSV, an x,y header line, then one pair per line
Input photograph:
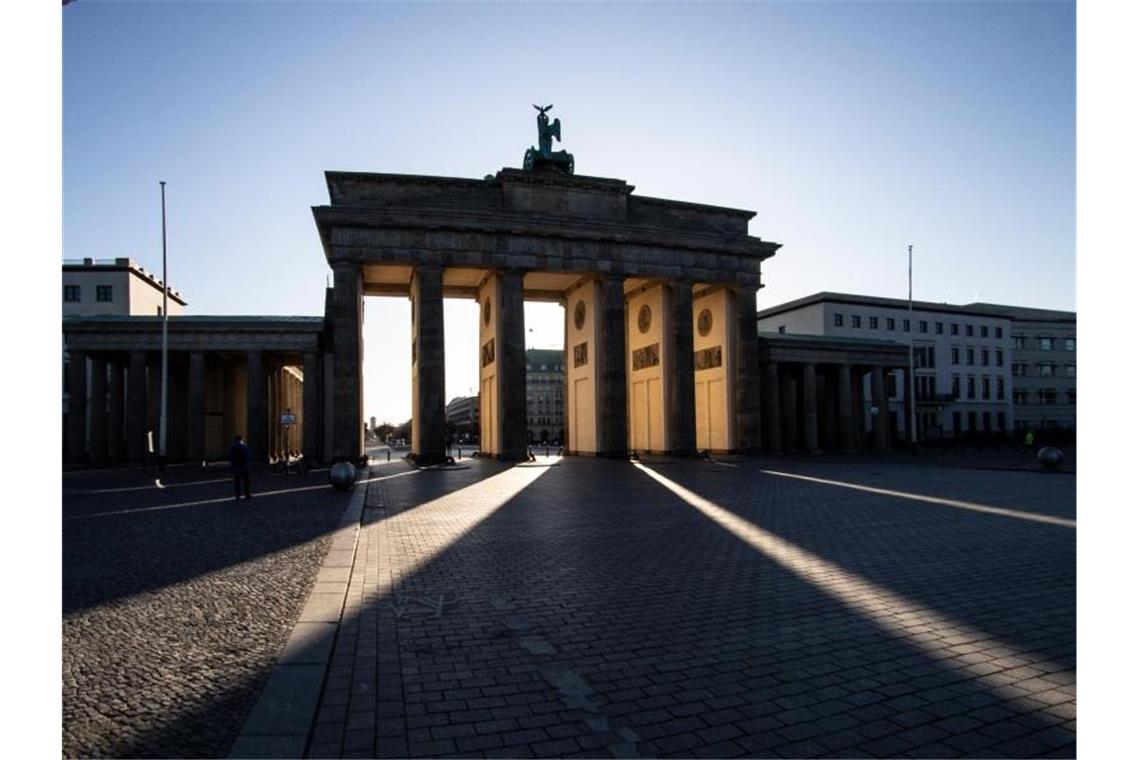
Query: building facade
x,y
545,395
980,369
103,287
463,418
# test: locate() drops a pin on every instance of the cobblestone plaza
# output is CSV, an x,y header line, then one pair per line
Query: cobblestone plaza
x,y
582,607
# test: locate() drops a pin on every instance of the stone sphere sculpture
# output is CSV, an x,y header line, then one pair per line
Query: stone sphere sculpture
x,y
342,476
1050,457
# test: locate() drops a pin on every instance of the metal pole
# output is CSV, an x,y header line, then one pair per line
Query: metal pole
x,y
910,353
165,289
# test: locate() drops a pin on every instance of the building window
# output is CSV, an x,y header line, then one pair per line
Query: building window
x,y
999,357
1019,369
969,331
970,388
1072,394
856,321
1070,370
1070,344
937,328
1046,369
970,357
1020,397
838,320
781,328
71,293
953,328
1047,396
1018,342
985,331
892,385
890,323
997,332
985,357
956,386
985,389
158,310
1045,344
953,354
922,325
1001,419
873,323
103,293
906,325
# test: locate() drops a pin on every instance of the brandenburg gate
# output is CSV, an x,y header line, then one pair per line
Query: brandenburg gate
x,y
661,345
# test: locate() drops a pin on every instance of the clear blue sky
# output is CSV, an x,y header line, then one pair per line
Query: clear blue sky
x,y
852,129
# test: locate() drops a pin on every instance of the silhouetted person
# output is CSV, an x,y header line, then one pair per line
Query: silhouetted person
x,y
239,463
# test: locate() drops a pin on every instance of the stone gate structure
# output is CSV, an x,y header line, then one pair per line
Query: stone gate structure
x,y
661,344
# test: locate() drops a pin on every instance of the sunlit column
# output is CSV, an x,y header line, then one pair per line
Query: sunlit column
x,y
811,410
348,349
136,407
196,408
615,428
97,445
256,406
583,318
429,417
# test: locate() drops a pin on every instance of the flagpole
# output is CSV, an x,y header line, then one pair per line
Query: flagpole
x,y
165,289
910,353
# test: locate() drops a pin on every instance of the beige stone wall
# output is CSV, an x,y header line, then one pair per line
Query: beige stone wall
x,y
488,298
715,386
583,382
648,383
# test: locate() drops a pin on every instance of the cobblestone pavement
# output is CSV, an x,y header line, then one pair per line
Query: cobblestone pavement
x,y
751,607
177,601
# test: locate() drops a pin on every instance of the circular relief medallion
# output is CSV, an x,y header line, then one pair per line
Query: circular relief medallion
x,y
704,322
487,310
580,314
644,318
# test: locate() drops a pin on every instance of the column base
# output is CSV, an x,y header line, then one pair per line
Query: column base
x,y
429,460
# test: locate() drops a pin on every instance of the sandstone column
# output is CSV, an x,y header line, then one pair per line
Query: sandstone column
x,y
77,407
682,401
311,411
256,406
879,399
348,306
115,416
196,411
811,410
429,415
748,405
512,379
789,407
772,408
846,403
615,428
98,435
136,408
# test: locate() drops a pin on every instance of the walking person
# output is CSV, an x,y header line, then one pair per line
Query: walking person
x,y
239,465
1028,443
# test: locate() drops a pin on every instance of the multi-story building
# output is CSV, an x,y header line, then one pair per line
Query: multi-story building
x,y
1043,363
963,382
103,287
545,395
463,418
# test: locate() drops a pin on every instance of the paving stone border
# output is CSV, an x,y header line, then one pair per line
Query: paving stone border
x,y
278,725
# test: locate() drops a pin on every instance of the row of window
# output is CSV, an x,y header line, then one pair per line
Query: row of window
x,y
73,294
1044,369
856,320
982,355
973,386
1042,396
1045,343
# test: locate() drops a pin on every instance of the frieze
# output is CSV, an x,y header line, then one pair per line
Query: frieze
x,y
706,358
488,352
647,356
581,354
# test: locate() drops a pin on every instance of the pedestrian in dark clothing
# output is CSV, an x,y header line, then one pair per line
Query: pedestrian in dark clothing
x,y
239,465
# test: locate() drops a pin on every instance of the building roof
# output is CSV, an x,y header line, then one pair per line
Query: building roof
x,y
197,319
971,309
549,357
